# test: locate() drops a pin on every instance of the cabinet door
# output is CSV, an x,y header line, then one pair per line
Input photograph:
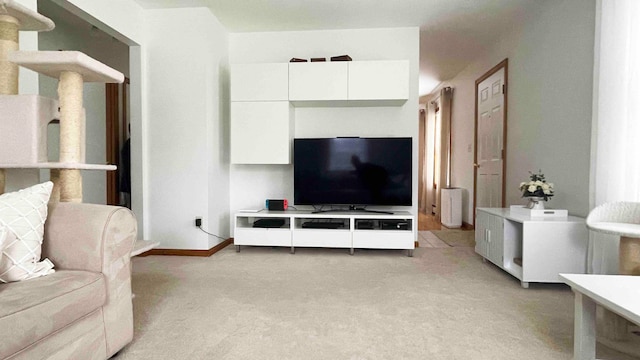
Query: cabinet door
x,y
261,132
318,81
481,234
495,238
490,237
260,82
379,80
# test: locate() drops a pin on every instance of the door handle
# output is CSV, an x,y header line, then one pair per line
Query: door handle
x,y
476,165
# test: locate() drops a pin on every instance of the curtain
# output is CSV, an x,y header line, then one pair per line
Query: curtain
x,y
422,163
430,132
444,178
615,156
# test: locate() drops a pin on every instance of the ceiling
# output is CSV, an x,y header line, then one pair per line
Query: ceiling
x,y
452,32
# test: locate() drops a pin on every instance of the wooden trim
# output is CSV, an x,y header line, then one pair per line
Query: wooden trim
x,y
503,64
416,244
112,142
185,252
125,130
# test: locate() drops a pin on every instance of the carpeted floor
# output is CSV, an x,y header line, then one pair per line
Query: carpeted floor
x,y
456,238
264,303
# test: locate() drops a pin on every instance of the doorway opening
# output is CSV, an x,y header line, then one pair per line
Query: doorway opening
x,y
118,140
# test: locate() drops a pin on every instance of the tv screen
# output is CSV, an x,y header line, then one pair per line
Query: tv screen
x,y
352,171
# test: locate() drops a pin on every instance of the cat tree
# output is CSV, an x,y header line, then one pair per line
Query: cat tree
x,y
24,118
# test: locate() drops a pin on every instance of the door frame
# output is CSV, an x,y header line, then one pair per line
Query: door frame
x,y
116,111
112,142
504,64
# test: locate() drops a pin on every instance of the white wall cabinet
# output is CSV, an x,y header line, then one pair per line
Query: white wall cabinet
x,y
262,96
533,249
260,82
261,132
350,81
378,80
318,81
380,231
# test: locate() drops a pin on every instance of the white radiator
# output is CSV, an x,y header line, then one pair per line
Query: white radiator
x,y
451,203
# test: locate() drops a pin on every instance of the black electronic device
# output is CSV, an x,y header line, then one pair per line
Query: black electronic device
x,y
268,223
353,171
394,225
365,224
277,204
322,225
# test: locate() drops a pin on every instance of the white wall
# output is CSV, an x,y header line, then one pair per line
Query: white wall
x,y
123,19
187,130
549,105
252,184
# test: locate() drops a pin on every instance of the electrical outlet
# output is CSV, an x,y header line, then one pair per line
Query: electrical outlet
x,y
198,221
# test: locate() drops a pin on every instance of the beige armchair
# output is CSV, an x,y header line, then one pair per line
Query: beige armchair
x,y
84,309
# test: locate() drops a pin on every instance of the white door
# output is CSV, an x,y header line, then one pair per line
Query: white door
x,y
490,140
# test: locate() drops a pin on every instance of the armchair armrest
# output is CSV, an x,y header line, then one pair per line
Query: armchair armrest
x,y
97,238
88,237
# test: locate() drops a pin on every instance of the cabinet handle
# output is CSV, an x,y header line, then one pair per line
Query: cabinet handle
x,y
488,235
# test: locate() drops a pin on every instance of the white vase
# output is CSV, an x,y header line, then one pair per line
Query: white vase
x,y
535,203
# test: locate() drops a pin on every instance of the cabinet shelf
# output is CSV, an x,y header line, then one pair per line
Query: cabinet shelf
x,y
59,165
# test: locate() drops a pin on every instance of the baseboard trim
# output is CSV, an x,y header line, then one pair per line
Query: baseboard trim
x,y
467,226
416,244
184,252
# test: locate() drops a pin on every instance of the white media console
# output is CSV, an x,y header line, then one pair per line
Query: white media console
x,y
532,248
349,230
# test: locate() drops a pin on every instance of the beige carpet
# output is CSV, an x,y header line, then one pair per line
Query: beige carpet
x,y
456,238
264,303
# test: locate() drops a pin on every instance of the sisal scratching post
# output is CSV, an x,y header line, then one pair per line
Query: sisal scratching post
x,y
71,118
54,176
2,181
629,256
9,42
9,27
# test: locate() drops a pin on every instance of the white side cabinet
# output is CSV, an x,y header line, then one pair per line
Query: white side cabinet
x,y
261,132
350,230
533,249
318,81
378,80
260,82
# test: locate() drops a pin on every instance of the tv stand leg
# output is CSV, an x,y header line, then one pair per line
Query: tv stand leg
x,y
410,253
351,251
237,248
293,250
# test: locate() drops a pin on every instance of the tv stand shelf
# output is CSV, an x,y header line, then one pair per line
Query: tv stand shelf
x,y
348,229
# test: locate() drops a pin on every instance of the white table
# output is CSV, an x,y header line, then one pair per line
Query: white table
x,y
618,293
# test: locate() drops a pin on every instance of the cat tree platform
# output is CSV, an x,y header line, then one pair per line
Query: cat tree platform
x,y
619,219
54,63
72,69
59,165
28,19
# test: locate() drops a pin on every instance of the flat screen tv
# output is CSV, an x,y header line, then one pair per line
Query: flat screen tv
x,y
352,171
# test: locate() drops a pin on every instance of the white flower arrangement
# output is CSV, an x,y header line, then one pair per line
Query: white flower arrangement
x,y
537,186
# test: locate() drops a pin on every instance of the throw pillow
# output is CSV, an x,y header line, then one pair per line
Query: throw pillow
x,y
3,236
22,215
